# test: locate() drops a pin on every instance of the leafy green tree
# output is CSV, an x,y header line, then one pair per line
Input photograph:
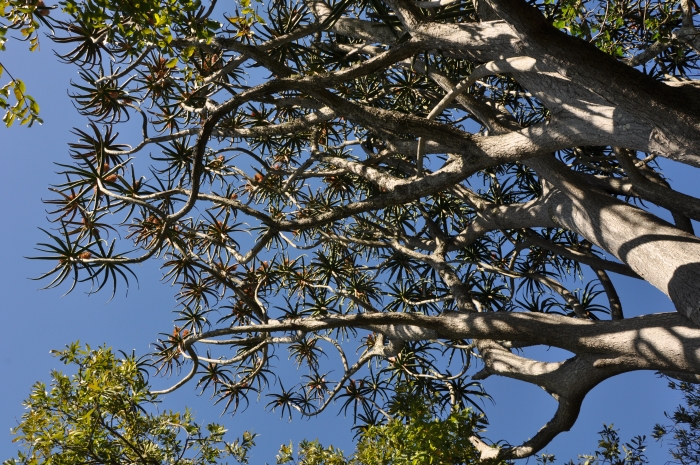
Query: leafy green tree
x,y
414,435
105,414
685,429
25,17
394,191
610,451
420,438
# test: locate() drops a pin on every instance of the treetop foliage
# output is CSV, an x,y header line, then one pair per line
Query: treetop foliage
x,y
414,434
685,427
105,413
25,17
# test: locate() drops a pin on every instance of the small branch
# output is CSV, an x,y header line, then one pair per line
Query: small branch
x,y
647,54
207,13
586,259
655,189
238,357
366,357
611,292
355,300
289,127
551,283
190,375
557,287
129,68
340,350
564,418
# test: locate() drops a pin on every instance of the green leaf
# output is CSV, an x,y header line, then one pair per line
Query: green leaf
x,y
34,107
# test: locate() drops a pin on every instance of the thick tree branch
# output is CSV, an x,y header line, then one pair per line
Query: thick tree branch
x,y
663,255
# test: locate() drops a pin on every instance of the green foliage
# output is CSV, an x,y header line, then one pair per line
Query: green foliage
x,y
25,16
609,452
25,109
623,28
312,453
105,413
130,27
685,429
415,434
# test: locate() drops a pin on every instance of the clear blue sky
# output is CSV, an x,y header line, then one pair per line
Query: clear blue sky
x,y
34,322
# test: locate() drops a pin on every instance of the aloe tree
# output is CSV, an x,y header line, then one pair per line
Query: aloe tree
x,y
420,190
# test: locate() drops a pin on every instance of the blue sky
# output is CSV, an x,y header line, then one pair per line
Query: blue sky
x,y
35,321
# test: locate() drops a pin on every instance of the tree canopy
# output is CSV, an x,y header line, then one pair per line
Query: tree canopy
x,y
105,413
388,191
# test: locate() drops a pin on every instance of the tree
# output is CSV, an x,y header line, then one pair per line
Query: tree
x,y
104,413
685,427
420,182
25,17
